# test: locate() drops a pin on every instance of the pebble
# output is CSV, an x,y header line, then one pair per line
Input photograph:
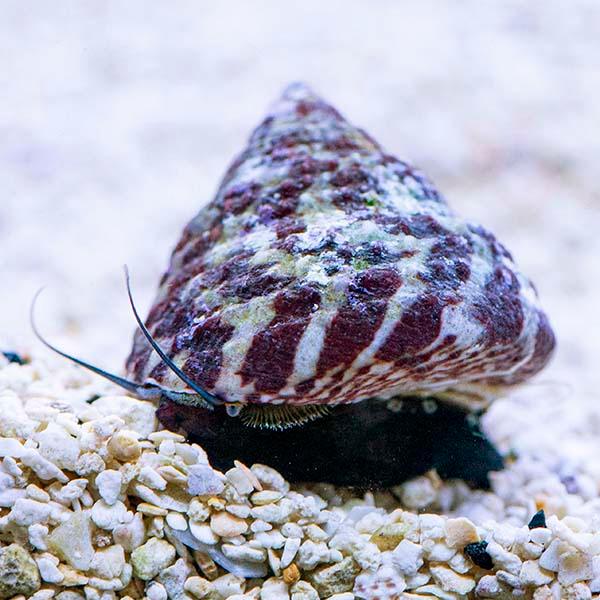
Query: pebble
x,y
450,581
108,563
336,578
18,572
72,541
198,586
27,512
203,533
290,549
151,558
274,589
107,516
203,480
291,574
157,591
177,521
48,568
124,445
265,497
240,480
407,557
228,585
173,579
302,590
460,532
244,552
532,575
227,525
109,483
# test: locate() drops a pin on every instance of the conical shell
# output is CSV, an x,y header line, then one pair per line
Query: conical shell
x,y
328,271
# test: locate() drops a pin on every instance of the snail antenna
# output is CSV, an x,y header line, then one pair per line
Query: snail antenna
x,y
130,386
212,400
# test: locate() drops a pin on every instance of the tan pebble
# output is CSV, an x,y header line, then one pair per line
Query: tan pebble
x,y
274,588
188,453
203,533
291,574
302,590
72,577
270,478
151,558
216,503
227,525
36,493
239,510
167,448
274,562
265,497
229,584
197,511
157,437
460,532
450,581
149,509
255,482
543,593
240,481
336,578
198,586
124,446
172,474
177,521
389,536
206,564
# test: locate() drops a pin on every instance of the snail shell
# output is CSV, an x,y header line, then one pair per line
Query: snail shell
x,y
326,271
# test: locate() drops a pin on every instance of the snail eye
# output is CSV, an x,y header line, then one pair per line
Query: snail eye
x,y
233,410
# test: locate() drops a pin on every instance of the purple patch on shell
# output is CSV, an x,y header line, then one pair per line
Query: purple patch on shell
x,y
326,271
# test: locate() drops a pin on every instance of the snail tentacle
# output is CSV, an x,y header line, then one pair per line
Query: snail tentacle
x,y
130,386
208,397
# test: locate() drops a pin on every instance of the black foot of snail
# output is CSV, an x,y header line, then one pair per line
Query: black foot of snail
x,y
364,444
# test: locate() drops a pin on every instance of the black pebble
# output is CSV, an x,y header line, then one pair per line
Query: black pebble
x,y
13,357
538,520
478,554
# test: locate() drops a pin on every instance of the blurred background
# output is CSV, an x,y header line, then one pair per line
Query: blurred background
x,y
117,120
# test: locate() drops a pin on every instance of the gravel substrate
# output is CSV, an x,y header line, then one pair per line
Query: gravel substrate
x,y
98,502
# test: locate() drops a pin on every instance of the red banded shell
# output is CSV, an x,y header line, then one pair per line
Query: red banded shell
x,y
326,271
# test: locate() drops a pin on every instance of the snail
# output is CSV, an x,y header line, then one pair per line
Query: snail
x,y
330,315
